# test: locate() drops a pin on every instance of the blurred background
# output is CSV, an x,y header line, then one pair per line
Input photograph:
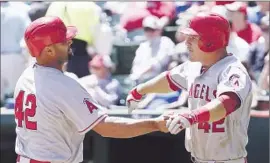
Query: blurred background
x,y
121,44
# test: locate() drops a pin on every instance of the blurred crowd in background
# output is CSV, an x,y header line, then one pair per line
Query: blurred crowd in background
x,y
121,44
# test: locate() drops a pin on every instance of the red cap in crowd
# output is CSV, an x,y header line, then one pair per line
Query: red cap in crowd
x,y
237,6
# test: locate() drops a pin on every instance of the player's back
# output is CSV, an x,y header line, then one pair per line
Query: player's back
x,y
44,132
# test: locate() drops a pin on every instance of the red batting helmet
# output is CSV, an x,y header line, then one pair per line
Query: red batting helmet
x,y
46,31
213,30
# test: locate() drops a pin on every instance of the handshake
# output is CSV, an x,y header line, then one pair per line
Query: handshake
x,y
168,122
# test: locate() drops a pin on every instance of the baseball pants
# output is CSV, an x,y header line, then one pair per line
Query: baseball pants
x,y
241,160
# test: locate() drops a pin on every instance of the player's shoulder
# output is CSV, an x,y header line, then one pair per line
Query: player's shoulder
x,y
71,75
182,68
65,87
234,66
68,82
235,62
27,75
53,80
26,78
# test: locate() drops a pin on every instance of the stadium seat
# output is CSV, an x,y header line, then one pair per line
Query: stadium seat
x,y
170,31
123,55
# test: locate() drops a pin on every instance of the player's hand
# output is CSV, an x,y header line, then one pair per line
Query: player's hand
x,y
177,122
161,124
133,100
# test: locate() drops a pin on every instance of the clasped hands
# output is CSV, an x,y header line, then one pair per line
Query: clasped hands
x,y
173,122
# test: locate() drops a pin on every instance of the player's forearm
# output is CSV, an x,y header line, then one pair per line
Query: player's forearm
x,y
224,106
216,109
158,84
118,127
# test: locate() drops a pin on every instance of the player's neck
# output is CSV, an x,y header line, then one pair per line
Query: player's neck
x,y
51,65
212,59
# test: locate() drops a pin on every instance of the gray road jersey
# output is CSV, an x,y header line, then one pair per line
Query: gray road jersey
x,y
227,138
53,113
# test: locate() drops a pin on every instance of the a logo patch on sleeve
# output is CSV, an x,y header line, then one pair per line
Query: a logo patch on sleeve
x,y
235,81
91,107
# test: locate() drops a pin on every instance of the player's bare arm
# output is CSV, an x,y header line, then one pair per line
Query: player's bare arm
x,y
119,127
160,84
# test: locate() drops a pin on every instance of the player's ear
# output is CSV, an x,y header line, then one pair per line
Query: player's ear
x,y
49,50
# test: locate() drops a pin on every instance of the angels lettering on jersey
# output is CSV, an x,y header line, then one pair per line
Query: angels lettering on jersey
x,y
202,91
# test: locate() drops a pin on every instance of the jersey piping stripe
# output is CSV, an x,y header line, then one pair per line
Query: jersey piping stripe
x,y
94,123
174,83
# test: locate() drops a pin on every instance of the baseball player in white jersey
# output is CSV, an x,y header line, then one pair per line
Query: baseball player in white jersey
x,y
217,118
52,111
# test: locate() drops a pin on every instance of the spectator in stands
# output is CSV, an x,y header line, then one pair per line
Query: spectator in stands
x,y
223,2
14,20
182,6
24,7
256,13
165,11
135,12
237,46
253,13
250,32
133,15
238,15
86,17
264,7
100,84
180,54
152,56
264,77
38,9
264,24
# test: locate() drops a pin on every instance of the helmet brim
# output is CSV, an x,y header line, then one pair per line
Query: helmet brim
x,y
71,32
189,31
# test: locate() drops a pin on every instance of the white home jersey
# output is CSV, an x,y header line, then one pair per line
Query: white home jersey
x,y
53,113
227,138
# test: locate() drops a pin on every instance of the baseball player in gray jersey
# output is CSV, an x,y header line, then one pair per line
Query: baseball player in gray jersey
x,y
219,89
53,111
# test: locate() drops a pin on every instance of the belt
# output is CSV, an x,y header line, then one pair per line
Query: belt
x,y
21,159
240,160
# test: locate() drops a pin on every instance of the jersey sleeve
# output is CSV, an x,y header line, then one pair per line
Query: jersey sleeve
x,y
235,80
177,77
79,107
